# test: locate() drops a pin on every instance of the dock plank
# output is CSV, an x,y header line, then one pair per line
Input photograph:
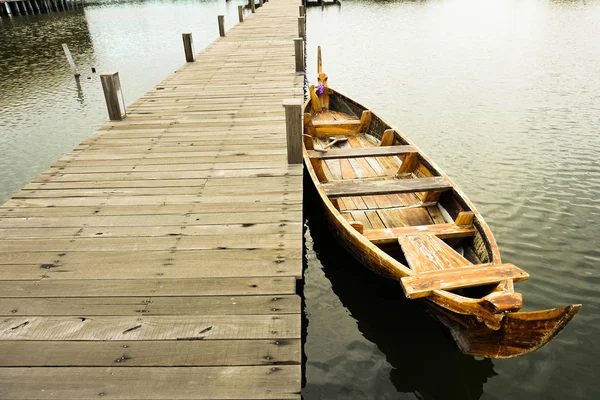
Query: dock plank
x,y
169,243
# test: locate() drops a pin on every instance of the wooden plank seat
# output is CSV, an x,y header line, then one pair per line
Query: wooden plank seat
x,y
423,284
337,126
439,266
359,152
444,231
367,188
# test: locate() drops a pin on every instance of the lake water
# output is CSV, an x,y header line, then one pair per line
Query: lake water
x,y
504,95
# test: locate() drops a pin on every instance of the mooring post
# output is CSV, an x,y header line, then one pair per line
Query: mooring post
x,y
221,19
252,6
70,59
241,13
188,47
111,86
293,129
302,11
260,3
299,49
301,27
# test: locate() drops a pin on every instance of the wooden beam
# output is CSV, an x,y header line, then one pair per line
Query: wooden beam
x,y
366,188
293,125
299,53
308,142
188,47
365,121
388,138
444,231
111,86
464,218
221,20
309,128
498,302
409,163
241,13
358,152
423,284
358,226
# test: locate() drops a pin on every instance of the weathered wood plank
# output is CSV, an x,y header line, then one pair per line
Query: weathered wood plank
x,y
151,305
177,383
356,152
168,327
188,353
425,283
149,287
365,188
444,231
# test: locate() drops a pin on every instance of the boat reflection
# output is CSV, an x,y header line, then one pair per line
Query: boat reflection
x,y
424,358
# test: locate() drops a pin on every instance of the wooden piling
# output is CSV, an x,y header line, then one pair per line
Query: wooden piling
x,y
301,27
293,129
299,51
70,59
260,3
302,10
188,47
221,19
8,10
241,13
111,86
252,6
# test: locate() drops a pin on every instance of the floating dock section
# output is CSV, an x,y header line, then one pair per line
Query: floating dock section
x,y
160,258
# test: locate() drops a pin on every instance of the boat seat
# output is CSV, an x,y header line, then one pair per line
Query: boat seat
x,y
367,188
439,266
358,152
427,252
423,284
339,126
444,231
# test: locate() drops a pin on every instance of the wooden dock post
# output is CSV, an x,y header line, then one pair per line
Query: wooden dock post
x,y
111,85
260,3
302,27
252,6
302,11
188,47
221,19
299,49
293,129
241,13
70,59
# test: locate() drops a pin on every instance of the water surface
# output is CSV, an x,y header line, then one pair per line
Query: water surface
x,y
505,97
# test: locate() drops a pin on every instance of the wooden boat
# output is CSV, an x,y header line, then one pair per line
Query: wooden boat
x,y
400,215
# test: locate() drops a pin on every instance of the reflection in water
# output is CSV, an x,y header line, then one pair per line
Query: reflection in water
x,y
422,357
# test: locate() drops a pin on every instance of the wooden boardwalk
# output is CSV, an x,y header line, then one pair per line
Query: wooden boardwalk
x,y
159,259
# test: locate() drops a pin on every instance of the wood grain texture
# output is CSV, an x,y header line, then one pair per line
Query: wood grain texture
x,y
169,242
381,151
149,353
152,383
366,188
425,283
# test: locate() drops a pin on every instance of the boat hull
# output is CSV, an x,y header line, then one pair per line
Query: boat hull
x,y
476,330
